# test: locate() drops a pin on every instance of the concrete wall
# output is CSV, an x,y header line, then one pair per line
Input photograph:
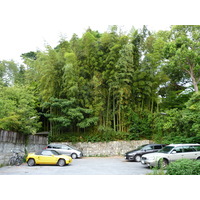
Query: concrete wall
x,y
15,141
113,148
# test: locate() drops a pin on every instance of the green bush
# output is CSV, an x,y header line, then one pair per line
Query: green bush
x,y
184,167
99,136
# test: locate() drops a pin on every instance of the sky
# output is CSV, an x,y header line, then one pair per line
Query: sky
x,y
29,25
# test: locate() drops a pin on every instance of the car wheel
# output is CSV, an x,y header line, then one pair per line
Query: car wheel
x,y
31,162
137,158
74,156
198,158
130,159
61,162
162,163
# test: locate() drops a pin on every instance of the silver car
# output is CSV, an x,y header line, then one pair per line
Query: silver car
x,y
171,153
66,150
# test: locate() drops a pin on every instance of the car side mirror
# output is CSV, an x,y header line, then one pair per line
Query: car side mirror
x,y
173,152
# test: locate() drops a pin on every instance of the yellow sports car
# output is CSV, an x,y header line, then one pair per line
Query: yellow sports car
x,y
48,157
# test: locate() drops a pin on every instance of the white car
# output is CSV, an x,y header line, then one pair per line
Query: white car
x,y
171,153
66,150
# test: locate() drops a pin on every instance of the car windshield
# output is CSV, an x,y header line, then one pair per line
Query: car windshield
x,y
55,152
72,147
166,149
140,147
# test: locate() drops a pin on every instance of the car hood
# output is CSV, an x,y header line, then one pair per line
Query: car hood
x,y
133,151
31,154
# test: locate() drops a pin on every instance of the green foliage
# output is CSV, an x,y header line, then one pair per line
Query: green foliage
x,y
8,72
184,167
141,126
103,134
18,110
179,126
66,114
108,86
182,54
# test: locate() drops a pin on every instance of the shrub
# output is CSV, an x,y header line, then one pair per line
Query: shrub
x,y
184,167
104,135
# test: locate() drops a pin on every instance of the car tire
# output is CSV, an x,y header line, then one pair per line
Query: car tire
x,y
61,162
137,158
31,162
130,159
74,156
162,163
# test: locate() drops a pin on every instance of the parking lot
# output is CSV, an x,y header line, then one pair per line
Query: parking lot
x,y
84,166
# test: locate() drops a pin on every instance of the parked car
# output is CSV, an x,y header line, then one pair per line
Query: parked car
x,y
171,153
66,150
48,157
136,154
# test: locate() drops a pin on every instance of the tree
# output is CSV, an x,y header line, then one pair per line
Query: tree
x,y
18,110
49,72
66,115
182,54
8,72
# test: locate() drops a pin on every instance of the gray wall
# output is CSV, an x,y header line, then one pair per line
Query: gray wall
x,y
15,141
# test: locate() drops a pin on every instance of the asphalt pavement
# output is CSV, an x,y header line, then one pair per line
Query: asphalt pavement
x,y
83,166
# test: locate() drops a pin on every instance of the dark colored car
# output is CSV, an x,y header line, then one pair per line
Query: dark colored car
x,y
136,154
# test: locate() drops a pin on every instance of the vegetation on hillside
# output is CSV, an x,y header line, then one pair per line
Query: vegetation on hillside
x,y
107,86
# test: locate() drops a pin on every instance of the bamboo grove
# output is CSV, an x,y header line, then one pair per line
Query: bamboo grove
x,y
112,85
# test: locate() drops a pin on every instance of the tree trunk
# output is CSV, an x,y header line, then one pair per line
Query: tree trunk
x,y
192,76
195,84
108,106
114,120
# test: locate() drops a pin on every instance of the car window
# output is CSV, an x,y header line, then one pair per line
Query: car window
x,y
188,149
157,147
38,153
197,148
178,149
65,147
47,153
54,146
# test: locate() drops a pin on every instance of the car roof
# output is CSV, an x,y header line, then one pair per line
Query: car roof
x,y
176,145
52,144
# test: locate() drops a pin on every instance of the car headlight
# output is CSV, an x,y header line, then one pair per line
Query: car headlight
x,y
131,154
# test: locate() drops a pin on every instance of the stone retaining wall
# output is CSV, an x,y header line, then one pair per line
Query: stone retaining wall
x,y
112,148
